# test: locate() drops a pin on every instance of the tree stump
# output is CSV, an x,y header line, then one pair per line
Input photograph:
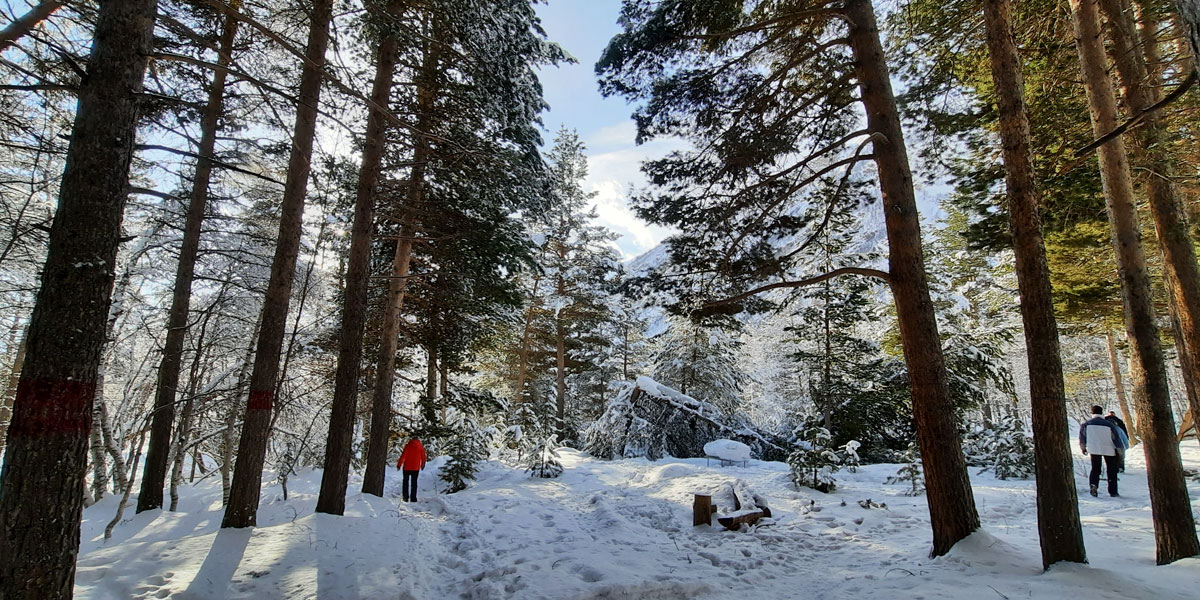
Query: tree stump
x,y
702,510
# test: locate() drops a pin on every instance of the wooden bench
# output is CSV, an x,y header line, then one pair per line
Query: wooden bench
x,y
725,462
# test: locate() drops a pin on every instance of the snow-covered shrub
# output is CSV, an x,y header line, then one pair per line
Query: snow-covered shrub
x,y
975,445
850,458
465,449
1009,448
813,461
911,472
652,420
542,460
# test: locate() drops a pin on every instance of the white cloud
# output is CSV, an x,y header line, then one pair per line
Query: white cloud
x,y
613,173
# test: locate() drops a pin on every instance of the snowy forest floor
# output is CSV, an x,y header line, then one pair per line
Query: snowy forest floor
x,y
622,529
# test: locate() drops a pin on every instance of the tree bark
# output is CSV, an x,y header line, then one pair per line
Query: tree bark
x,y
150,495
338,443
1174,527
244,492
385,368
1189,11
951,502
1115,366
10,391
1059,529
41,487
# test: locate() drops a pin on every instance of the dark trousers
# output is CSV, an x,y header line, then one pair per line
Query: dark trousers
x,y
408,486
1110,464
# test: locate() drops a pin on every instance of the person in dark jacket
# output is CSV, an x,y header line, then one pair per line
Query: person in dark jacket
x,y
1112,416
1101,439
412,460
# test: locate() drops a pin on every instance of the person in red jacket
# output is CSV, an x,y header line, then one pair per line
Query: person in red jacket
x,y
412,460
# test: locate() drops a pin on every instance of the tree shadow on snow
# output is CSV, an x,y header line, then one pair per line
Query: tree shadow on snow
x,y
216,574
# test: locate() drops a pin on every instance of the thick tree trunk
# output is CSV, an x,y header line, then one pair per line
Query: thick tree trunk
x,y
1059,529
150,495
1119,386
338,444
227,437
41,487
1174,527
26,22
1153,160
951,503
1186,371
242,508
385,366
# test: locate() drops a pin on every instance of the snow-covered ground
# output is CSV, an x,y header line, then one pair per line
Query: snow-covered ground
x,y
623,529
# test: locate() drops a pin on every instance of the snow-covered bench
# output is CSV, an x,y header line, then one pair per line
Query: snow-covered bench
x,y
727,453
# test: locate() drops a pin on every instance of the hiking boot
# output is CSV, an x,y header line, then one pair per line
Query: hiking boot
x,y
1093,491
1114,495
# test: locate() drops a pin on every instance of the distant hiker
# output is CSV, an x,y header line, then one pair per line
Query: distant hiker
x,y
1100,437
412,460
1112,417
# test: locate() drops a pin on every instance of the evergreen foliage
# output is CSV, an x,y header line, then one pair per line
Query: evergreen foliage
x,y
467,445
911,473
813,459
1009,449
542,460
700,362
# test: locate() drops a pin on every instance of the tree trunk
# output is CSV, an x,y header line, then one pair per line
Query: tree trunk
x,y
338,443
1119,386
1189,11
99,461
1174,527
185,418
951,503
242,509
231,419
560,378
385,368
1186,371
1059,530
10,391
41,487
25,23
150,495
112,445
1153,159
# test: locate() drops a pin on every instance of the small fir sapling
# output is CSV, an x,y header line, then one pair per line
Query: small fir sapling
x,y
1010,449
850,458
813,462
542,460
911,472
465,449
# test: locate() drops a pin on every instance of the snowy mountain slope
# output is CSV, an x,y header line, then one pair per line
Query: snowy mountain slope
x,y
623,529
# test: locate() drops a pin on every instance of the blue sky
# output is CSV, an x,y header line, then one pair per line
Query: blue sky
x,y
583,28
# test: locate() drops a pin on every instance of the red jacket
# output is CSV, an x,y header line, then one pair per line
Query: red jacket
x,y
413,458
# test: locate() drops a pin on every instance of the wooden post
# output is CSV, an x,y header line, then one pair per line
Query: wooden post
x,y
702,510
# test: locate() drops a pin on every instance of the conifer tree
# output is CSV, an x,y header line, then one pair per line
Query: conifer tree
x,y
766,91
41,483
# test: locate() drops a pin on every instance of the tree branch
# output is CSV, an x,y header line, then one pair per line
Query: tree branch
x,y
26,22
1137,119
865,272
